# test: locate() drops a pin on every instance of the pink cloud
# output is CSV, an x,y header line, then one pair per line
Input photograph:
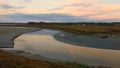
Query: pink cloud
x,y
85,1
103,11
106,16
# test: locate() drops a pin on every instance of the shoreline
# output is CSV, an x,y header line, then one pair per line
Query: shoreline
x,y
21,34
10,47
25,53
9,34
101,53
89,53
74,40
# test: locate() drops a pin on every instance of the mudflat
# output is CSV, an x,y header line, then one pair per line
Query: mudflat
x,y
8,34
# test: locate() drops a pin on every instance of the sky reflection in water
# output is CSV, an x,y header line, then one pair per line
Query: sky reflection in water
x,y
42,43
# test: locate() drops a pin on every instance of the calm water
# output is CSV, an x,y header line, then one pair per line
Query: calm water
x,y
43,43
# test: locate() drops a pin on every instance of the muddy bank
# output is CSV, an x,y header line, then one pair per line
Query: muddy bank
x,y
111,43
8,34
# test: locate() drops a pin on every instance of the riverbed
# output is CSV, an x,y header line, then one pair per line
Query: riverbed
x,y
43,43
62,46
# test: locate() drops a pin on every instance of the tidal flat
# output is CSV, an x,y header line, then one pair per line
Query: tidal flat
x,y
78,50
19,59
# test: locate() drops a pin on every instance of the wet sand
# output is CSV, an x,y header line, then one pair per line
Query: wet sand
x,y
8,34
112,42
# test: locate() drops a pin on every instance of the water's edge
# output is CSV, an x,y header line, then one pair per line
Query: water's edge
x,y
10,49
57,37
67,38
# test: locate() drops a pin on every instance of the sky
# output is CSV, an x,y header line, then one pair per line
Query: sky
x,y
60,10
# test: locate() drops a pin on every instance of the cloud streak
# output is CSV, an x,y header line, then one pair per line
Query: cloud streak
x,y
50,18
5,6
71,5
63,10
79,4
42,17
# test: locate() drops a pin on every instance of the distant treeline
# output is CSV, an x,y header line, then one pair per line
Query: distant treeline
x,y
77,23
85,28
72,22
69,23
11,23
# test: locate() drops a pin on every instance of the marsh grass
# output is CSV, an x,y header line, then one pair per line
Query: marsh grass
x,y
78,29
8,60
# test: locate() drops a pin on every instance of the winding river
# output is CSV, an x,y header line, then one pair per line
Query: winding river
x,y
83,49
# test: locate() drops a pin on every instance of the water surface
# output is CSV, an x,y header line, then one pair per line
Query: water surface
x,y
43,43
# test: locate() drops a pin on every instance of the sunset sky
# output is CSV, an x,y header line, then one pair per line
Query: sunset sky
x,y
60,10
